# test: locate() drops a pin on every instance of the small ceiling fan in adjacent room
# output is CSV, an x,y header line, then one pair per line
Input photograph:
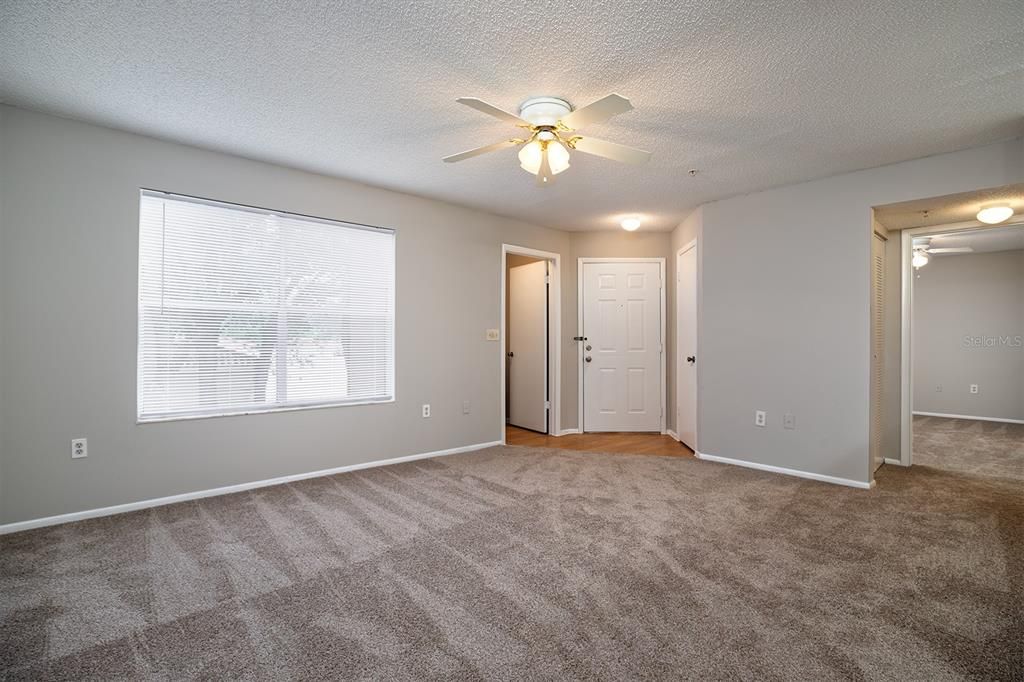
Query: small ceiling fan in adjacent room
x,y
922,251
550,125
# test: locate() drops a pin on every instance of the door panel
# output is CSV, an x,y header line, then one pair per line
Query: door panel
x,y
686,347
877,347
622,324
528,346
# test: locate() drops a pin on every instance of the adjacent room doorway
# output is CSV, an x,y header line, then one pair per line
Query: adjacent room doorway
x,y
530,339
526,343
621,344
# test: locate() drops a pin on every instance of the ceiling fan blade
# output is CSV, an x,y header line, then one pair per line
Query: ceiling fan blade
x,y
469,154
597,112
952,249
544,174
491,110
610,150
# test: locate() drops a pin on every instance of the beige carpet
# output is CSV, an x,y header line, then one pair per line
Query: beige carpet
x,y
517,562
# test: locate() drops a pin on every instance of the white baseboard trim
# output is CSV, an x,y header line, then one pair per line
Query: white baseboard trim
x,y
567,432
890,460
967,416
673,435
225,490
788,472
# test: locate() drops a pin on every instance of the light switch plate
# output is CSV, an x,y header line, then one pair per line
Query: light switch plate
x,y
493,335
788,421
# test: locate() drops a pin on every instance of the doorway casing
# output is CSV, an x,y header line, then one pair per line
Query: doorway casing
x,y
906,331
554,332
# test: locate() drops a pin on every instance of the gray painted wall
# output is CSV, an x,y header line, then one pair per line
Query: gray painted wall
x,y
784,328
785,306
68,280
980,296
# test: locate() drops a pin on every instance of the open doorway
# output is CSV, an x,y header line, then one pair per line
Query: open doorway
x,y
966,325
530,340
959,317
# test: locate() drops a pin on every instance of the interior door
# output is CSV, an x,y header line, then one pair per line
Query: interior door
x,y
686,347
527,349
877,347
622,351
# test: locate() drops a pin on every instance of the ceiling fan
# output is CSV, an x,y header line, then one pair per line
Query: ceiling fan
x,y
550,125
922,250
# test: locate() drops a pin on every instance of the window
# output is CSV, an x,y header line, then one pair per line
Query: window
x,y
248,310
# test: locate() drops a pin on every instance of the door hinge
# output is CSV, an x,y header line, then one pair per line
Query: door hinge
x,y
547,404
547,279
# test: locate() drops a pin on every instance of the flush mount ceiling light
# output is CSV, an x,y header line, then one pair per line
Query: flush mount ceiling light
x,y
551,123
920,259
631,224
996,213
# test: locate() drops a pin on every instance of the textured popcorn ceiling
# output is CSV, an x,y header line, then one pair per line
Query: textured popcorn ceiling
x,y
754,94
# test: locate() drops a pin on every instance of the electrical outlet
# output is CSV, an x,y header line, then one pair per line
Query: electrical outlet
x,y
426,411
788,421
938,389
465,407
974,388
79,448
493,335
760,418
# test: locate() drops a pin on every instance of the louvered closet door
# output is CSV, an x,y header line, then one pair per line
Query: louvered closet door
x,y
877,347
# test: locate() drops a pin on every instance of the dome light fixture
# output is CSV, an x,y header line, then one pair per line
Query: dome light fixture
x,y
920,259
631,224
995,213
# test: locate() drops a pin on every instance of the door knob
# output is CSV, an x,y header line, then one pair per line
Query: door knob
x,y
691,359
588,359
588,346
511,354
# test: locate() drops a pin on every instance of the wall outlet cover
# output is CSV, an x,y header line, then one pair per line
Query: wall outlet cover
x,y
79,448
974,388
465,407
426,411
760,418
493,335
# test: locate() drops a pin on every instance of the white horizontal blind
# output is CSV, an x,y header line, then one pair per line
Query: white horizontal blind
x,y
247,310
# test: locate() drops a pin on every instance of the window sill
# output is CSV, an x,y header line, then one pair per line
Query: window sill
x,y
241,413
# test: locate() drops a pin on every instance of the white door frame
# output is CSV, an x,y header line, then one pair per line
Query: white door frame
x,y
906,333
694,244
554,332
579,326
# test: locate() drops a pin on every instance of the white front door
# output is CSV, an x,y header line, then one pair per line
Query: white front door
x,y
686,347
622,351
527,348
